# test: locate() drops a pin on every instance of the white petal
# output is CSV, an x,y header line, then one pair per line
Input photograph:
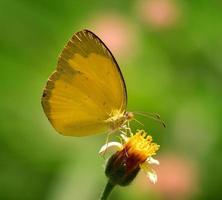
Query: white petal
x,y
150,173
152,161
152,176
110,147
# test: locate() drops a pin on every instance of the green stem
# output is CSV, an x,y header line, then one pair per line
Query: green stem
x,y
107,191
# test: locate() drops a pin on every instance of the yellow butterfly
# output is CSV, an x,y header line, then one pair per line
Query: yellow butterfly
x,y
87,93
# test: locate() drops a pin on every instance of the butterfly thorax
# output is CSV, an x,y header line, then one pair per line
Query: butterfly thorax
x,y
118,119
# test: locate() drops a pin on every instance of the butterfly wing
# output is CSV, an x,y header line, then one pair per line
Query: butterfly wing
x,y
85,89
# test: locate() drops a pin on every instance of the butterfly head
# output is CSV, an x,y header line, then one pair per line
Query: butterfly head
x,y
129,116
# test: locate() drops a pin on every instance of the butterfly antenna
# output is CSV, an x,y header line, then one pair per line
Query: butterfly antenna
x,y
154,116
138,121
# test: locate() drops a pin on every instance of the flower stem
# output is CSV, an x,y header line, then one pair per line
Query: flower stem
x,y
107,190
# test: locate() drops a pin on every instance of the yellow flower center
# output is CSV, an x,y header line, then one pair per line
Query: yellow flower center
x,y
141,146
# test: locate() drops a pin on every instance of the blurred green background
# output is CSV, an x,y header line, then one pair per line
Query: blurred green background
x,y
170,54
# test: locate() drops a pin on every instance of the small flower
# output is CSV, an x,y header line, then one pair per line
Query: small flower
x,y
159,13
134,154
113,28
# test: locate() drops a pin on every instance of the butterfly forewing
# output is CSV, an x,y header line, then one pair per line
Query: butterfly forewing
x,y
85,89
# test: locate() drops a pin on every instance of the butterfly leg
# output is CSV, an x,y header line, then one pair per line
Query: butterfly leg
x,y
125,129
129,129
107,140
